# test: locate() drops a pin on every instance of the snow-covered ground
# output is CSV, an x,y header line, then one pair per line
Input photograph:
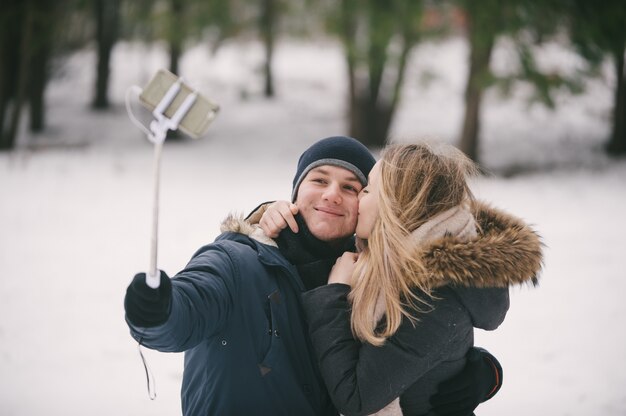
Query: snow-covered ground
x,y
75,218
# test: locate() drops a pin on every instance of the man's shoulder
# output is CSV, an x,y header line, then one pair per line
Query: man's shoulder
x,y
230,243
232,238
237,245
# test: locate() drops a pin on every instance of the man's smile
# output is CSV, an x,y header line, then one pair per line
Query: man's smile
x,y
329,211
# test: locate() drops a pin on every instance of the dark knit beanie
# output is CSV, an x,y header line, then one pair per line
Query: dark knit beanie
x,y
341,151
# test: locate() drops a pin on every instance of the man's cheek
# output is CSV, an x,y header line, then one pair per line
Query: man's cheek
x,y
351,223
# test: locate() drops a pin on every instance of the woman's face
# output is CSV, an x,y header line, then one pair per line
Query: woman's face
x,y
368,204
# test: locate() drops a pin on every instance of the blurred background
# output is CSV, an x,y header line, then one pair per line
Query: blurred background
x,y
533,91
376,41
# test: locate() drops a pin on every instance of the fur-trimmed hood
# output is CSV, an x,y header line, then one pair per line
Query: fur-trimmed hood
x,y
506,252
238,224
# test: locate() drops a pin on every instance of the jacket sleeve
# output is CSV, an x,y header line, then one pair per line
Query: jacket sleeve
x,y
202,298
362,378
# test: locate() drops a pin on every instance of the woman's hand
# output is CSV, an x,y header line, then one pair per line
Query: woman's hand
x,y
277,217
343,269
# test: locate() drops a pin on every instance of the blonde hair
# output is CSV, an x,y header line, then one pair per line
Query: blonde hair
x,y
417,182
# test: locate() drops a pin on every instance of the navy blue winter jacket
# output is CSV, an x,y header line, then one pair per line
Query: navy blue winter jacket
x,y
236,313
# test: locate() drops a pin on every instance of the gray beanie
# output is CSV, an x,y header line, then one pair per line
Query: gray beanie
x,y
341,151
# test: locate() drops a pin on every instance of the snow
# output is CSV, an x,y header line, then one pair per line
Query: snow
x,y
76,206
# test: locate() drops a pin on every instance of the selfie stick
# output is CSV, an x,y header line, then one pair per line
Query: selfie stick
x,y
157,133
158,129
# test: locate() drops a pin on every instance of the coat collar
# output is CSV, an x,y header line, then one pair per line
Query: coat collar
x,y
253,235
312,258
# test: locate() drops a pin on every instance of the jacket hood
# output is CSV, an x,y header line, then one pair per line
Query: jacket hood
x,y
487,307
506,252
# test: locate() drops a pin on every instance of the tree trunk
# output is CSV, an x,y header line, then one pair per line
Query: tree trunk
x,y
175,53
268,21
365,122
348,30
107,17
8,141
5,64
387,111
37,85
372,116
359,116
617,143
370,120
175,34
481,44
11,21
469,133
372,106
44,23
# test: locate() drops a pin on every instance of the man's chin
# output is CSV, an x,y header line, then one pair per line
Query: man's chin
x,y
329,234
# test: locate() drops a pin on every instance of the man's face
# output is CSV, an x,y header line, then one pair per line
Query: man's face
x,y
328,201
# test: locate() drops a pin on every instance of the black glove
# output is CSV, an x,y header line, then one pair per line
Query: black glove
x,y
147,307
479,381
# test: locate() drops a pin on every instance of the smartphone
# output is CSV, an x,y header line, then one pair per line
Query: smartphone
x,y
199,116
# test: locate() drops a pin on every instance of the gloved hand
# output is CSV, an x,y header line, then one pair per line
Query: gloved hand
x,y
147,307
479,381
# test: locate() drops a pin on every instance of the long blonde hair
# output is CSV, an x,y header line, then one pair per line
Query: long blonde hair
x,y
417,182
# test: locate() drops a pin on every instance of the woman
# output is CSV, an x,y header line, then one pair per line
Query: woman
x,y
398,318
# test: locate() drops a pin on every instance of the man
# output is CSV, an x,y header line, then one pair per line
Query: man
x,y
235,308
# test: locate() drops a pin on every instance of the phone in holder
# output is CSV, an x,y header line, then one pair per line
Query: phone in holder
x,y
196,122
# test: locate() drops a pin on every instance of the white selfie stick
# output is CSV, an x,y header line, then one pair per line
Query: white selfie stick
x,y
158,129
157,133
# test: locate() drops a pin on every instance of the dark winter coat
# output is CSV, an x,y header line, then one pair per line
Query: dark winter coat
x,y
362,379
236,313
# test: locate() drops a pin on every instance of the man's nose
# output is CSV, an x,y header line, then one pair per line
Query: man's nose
x,y
332,193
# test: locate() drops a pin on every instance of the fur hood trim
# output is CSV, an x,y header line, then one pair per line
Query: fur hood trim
x,y
236,223
506,252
